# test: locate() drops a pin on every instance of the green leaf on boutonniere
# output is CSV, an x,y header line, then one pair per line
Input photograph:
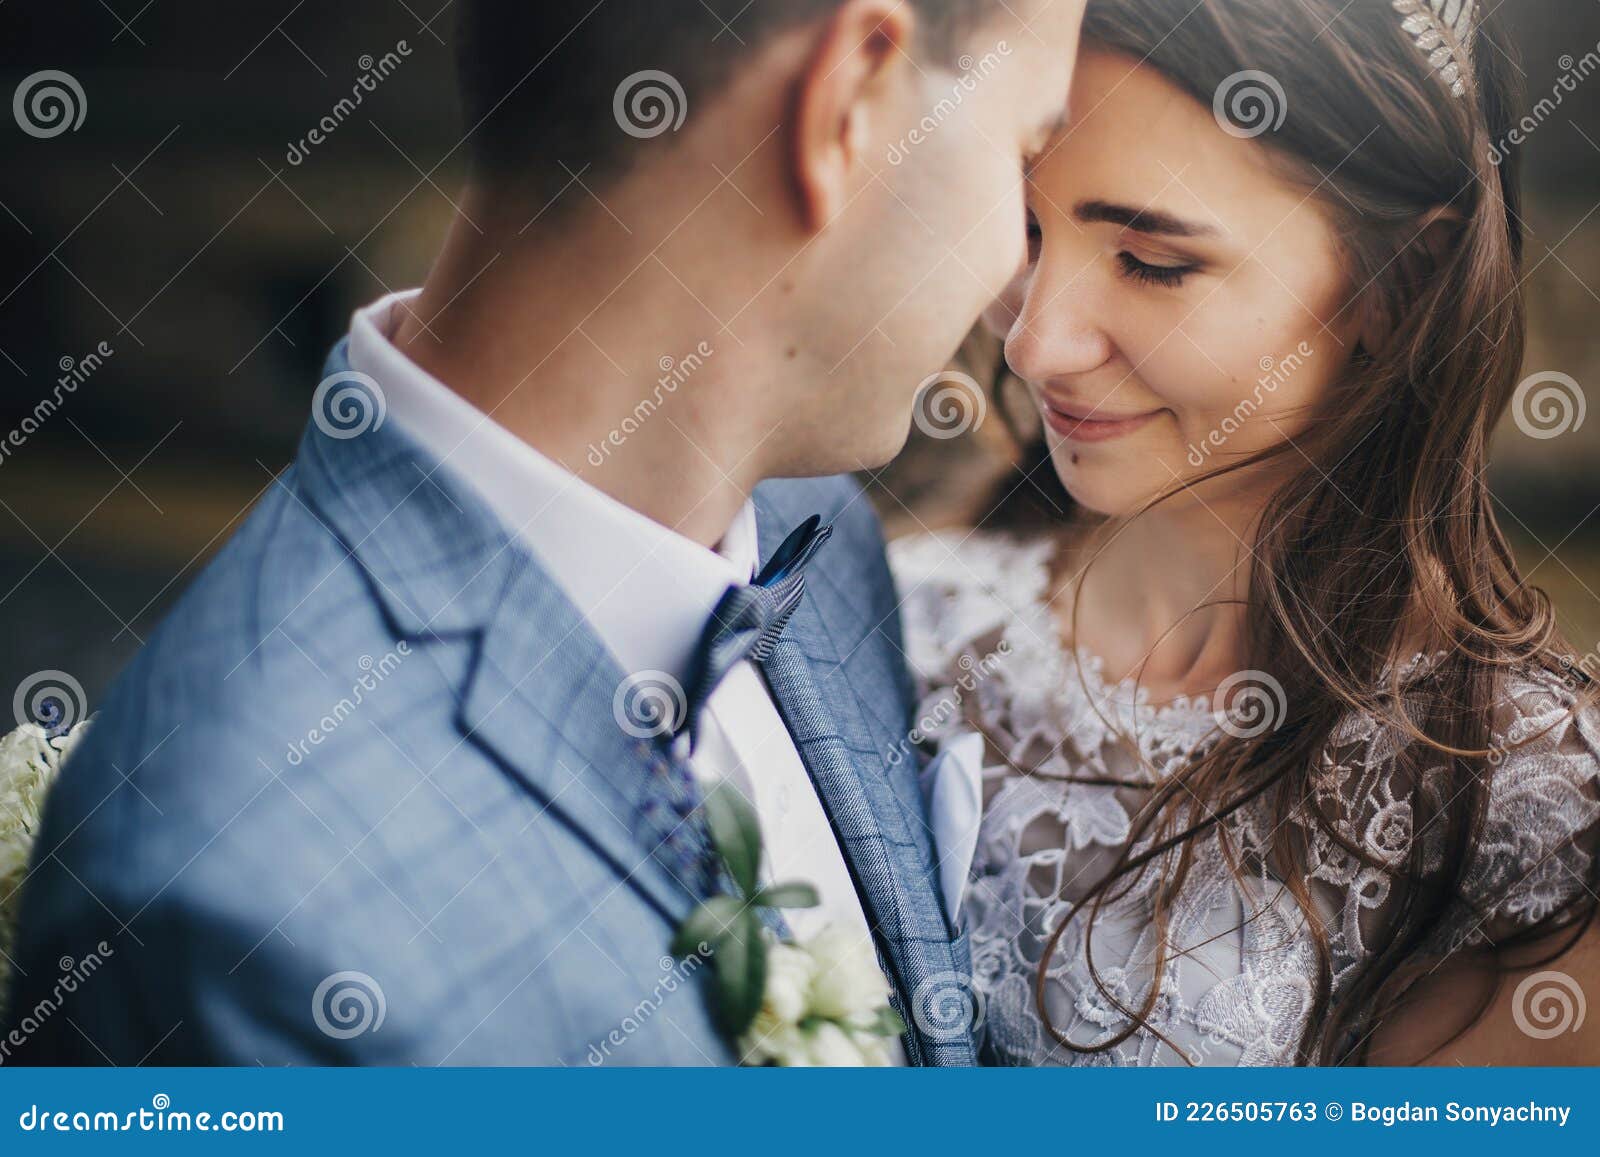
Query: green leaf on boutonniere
x,y
736,835
707,926
740,958
730,927
787,896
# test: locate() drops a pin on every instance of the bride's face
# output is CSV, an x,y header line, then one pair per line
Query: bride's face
x,y
1182,305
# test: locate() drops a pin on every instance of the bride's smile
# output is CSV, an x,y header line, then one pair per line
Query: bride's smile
x,y
1084,423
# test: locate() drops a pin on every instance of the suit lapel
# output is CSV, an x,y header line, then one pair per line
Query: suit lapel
x,y
541,699
811,690
538,692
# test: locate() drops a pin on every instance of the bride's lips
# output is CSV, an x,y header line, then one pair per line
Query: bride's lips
x,y
1078,423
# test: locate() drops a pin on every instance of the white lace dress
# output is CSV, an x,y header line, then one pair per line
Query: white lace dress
x,y
1240,969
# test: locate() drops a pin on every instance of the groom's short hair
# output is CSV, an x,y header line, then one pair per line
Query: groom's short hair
x,y
540,78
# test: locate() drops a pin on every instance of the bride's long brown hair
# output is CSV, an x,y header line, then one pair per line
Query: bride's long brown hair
x,y
1385,542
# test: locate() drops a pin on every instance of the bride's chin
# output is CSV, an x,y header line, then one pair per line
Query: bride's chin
x,y
1095,489
1100,509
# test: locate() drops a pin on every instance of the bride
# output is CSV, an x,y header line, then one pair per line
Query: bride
x,y
1282,761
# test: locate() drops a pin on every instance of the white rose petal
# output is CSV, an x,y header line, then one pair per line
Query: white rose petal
x,y
773,1041
790,974
832,1048
849,986
774,1037
874,1050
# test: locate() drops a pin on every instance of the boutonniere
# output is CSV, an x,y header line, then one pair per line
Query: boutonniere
x,y
822,1002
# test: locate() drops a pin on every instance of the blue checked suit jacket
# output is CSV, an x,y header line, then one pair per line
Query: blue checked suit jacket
x,y
362,798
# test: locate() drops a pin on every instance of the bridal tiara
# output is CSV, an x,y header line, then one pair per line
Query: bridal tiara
x,y
1443,31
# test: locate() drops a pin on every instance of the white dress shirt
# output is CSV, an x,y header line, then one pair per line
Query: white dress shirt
x,y
647,592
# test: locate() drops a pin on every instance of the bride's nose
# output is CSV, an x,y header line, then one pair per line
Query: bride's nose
x,y
1057,332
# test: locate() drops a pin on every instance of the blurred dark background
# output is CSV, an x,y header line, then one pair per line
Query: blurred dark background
x,y
173,227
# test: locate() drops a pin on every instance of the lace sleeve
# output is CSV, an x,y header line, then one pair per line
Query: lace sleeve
x,y
1540,836
1542,829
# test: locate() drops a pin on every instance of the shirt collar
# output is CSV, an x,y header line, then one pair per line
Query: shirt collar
x,y
646,590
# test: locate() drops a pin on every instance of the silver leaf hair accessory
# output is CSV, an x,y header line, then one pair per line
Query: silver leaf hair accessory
x,y
1443,31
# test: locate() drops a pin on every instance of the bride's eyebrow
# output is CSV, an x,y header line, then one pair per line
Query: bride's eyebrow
x,y
1153,222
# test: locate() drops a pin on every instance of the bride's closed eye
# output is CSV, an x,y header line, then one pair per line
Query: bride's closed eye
x,y
1148,273
1162,274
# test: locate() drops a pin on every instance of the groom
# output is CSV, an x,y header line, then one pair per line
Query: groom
x,y
409,776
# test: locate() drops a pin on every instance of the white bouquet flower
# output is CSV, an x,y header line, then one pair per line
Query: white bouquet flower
x,y
30,761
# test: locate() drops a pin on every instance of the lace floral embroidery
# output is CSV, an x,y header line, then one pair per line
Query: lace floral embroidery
x,y
1239,969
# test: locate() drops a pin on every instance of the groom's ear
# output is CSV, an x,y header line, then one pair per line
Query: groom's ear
x,y
862,55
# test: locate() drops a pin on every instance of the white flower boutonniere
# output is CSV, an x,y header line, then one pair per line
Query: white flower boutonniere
x,y
30,760
823,1002
826,1005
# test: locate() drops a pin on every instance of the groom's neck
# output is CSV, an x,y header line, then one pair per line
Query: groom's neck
x,y
603,357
